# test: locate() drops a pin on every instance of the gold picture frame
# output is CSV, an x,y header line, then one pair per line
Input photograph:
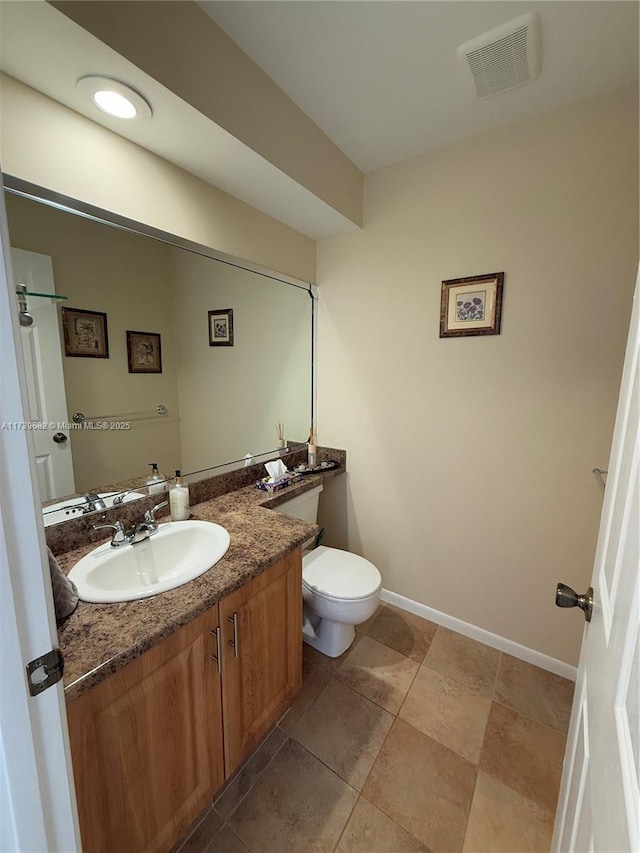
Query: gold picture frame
x,y
471,306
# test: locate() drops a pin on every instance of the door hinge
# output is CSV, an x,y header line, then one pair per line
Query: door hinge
x,y
44,671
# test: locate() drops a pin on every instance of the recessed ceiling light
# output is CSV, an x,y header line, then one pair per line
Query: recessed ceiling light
x,y
115,98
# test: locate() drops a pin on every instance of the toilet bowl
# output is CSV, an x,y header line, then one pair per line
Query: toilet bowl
x,y
340,590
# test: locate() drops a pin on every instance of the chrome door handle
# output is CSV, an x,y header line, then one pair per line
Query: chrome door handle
x,y
234,620
217,657
60,438
567,597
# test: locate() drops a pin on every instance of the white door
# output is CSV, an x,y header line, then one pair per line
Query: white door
x,y
599,804
45,379
37,798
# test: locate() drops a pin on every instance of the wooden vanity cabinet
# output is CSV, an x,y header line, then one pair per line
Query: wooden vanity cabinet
x,y
152,743
262,655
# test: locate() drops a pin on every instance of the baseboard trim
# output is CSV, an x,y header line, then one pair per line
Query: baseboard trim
x,y
558,667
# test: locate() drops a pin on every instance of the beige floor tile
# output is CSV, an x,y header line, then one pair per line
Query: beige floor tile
x,y
345,731
379,673
423,786
503,821
406,633
447,711
316,658
247,777
370,831
297,805
524,755
314,680
538,694
464,659
226,841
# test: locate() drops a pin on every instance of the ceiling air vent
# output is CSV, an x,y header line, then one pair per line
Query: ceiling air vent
x,y
505,57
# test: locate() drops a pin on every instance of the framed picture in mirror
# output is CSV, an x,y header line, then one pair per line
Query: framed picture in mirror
x,y
221,328
144,351
85,333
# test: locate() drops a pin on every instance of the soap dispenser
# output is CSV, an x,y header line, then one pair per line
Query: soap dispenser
x,y
155,482
179,499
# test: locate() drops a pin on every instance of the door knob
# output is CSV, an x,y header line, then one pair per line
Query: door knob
x,y
60,438
567,597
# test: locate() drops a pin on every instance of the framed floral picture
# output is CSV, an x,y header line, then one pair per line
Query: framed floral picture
x,y
144,351
85,333
221,328
471,306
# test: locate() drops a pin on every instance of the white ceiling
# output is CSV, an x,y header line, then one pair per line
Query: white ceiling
x,y
379,78
382,80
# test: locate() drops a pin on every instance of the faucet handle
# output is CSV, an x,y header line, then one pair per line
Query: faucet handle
x,y
119,533
150,514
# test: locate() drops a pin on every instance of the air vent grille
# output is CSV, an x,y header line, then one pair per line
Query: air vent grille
x,y
505,57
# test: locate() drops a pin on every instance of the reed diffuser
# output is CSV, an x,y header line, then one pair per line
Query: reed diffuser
x,y
311,453
280,434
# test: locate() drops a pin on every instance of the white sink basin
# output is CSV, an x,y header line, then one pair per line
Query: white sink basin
x,y
72,508
176,554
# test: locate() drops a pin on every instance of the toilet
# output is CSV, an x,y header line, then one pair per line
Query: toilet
x,y
340,590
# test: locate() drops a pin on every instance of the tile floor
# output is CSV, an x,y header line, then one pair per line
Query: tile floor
x,y
416,739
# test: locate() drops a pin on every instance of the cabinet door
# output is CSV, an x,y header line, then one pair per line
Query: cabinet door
x,y
262,658
146,744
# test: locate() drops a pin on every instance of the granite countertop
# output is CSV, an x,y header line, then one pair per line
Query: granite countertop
x,y
98,639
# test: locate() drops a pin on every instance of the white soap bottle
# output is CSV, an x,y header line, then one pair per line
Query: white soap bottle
x,y
179,500
155,482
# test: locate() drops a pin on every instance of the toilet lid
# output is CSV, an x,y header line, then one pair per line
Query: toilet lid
x,y
339,574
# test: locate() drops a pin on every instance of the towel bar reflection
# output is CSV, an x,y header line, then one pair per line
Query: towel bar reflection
x,y
81,418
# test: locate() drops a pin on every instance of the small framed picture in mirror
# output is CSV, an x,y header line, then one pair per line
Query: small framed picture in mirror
x,y
221,328
85,333
144,351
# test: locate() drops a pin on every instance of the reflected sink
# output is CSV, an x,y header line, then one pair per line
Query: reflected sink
x,y
72,508
176,554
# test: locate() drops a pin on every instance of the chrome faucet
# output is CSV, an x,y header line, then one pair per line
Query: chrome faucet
x,y
120,498
149,526
120,536
92,502
138,533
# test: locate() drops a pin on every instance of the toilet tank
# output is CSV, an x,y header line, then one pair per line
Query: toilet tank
x,y
304,506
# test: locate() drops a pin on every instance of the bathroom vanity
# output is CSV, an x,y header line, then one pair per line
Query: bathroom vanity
x,y
167,696
152,743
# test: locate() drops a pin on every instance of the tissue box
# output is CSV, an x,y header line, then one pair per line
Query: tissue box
x,y
282,483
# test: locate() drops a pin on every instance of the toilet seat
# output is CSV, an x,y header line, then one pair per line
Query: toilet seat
x,y
340,575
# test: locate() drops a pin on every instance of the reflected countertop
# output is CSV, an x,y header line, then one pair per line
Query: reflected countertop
x,y
99,639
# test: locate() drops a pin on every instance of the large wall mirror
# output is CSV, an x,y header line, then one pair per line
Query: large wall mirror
x,y
172,355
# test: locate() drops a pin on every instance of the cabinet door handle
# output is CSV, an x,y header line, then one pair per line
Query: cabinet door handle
x,y
217,657
234,620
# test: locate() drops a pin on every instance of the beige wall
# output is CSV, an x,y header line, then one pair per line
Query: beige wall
x,y
127,277
470,478
263,379
45,143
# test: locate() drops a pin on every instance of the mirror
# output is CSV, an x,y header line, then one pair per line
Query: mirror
x,y
172,355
